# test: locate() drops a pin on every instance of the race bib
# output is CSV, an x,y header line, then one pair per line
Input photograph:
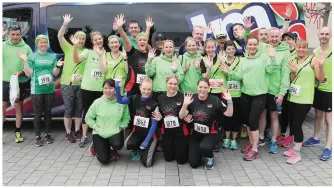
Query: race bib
x,y
216,83
171,122
140,77
141,121
294,89
44,79
233,85
201,128
76,76
96,73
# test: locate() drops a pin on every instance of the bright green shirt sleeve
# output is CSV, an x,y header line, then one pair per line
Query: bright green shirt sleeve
x,y
91,116
179,72
29,51
285,73
84,54
150,67
125,118
271,65
235,75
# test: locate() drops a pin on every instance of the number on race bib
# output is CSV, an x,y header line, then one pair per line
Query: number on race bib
x,y
96,73
44,79
201,128
171,122
141,121
294,89
140,77
233,85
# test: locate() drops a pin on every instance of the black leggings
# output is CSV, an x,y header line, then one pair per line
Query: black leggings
x,y
43,104
285,117
72,101
88,97
233,124
252,108
175,147
134,141
298,113
102,146
201,145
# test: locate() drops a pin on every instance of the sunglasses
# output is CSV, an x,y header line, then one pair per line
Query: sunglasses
x,y
14,27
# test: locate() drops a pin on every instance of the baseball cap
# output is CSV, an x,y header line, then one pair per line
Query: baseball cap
x,y
291,35
160,36
221,35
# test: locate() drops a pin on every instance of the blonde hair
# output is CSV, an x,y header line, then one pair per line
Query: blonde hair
x,y
303,43
147,80
188,39
92,34
171,77
209,40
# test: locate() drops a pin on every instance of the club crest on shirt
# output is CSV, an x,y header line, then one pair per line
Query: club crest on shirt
x,y
148,107
210,105
178,103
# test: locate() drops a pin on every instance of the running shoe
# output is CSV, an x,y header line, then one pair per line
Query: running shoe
x,y
70,138
114,155
48,138
294,159
280,138
273,147
78,134
267,135
135,155
243,133
92,149
38,141
262,142
290,152
287,142
234,145
209,164
251,155
18,137
247,147
311,142
326,154
227,143
83,142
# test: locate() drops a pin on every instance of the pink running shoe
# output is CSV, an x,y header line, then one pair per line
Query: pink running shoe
x,y
279,139
290,152
294,159
287,142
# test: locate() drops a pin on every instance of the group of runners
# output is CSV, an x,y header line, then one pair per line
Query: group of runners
x,y
140,96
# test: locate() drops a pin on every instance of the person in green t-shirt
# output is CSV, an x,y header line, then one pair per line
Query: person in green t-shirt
x,y
92,79
42,67
70,81
108,119
12,65
323,95
114,64
304,71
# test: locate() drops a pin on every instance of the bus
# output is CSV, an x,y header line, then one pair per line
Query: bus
x,y
174,20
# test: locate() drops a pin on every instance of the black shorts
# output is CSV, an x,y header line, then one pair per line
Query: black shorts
x,y
271,103
23,91
322,100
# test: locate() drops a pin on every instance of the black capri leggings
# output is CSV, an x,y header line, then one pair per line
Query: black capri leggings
x,y
88,97
233,124
72,101
252,108
201,145
102,146
285,117
175,147
133,142
42,104
298,113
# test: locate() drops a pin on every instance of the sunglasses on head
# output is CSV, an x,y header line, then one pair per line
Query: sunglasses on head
x,y
14,27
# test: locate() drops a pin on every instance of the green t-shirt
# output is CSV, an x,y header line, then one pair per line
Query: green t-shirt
x,y
71,69
233,86
302,87
42,79
133,42
11,63
326,85
115,68
93,78
217,79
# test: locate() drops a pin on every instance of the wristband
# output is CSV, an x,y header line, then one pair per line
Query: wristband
x,y
230,102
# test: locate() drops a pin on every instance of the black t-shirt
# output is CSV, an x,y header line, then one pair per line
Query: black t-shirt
x,y
136,72
169,108
205,114
141,113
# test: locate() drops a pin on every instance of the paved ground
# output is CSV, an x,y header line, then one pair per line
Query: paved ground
x,y
62,163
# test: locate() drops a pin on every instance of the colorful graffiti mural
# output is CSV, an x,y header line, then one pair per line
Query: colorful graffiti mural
x,y
263,15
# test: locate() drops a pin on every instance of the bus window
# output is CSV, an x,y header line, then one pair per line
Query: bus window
x,y
20,17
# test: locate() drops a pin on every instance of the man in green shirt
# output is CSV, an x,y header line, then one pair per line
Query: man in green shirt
x,y
13,65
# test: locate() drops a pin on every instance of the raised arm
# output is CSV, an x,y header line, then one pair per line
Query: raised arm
x,y
56,70
28,70
67,19
119,98
149,25
76,57
119,19
188,99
